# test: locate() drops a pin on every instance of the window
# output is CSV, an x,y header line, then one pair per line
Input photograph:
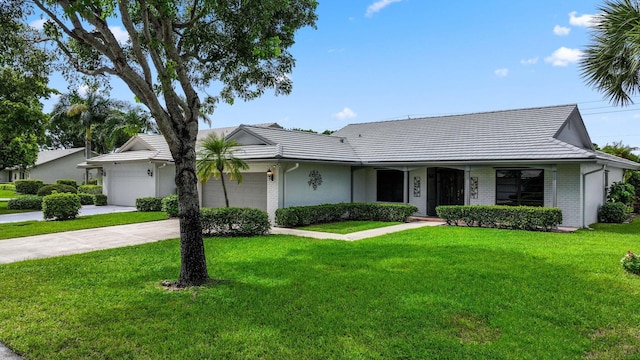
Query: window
x,y
520,187
390,186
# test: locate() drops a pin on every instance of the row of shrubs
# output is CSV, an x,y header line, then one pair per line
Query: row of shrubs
x,y
38,187
510,217
35,202
215,222
308,215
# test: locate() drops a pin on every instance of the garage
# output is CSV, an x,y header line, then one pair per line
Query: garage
x,y
128,183
251,193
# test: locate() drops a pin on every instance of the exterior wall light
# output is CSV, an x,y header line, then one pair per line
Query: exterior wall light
x,y
270,174
149,172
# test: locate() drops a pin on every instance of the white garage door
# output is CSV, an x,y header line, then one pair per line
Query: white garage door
x,y
252,192
126,186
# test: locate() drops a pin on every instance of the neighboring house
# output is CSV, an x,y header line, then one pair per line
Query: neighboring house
x,y
142,167
539,156
52,165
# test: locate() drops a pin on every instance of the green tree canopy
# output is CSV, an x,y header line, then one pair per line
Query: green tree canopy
x,y
621,150
180,58
24,76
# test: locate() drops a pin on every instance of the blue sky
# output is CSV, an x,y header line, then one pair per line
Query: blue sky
x,y
372,60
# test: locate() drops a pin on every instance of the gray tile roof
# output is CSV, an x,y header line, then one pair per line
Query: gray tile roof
x,y
50,155
299,145
525,134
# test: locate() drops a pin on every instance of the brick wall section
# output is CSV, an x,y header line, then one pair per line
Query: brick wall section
x,y
569,187
486,186
273,193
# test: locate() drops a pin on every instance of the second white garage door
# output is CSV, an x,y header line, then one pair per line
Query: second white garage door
x,y
252,192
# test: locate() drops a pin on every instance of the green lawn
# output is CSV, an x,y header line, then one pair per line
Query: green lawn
x,y
29,228
435,292
347,227
8,194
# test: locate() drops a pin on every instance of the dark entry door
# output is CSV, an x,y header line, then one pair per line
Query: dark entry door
x,y
444,187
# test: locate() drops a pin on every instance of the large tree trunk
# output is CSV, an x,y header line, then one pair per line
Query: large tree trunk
x,y
193,269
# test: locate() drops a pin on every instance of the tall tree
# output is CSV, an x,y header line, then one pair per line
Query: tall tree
x,y
233,49
24,76
216,158
611,63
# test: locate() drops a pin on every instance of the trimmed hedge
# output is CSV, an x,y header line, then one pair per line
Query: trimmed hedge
x,y
60,188
170,205
61,206
234,222
28,187
613,212
509,217
87,199
100,199
70,182
307,215
149,204
28,202
90,189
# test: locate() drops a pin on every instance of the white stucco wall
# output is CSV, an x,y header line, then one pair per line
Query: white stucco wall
x,y
486,186
5,176
360,185
335,187
63,168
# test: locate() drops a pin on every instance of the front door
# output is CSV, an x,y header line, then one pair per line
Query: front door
x,y
444,187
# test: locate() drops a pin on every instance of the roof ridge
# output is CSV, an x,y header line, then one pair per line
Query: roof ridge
x,y
464,114
292,131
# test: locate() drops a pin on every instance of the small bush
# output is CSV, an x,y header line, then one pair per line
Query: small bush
x,y
29,202
317,214
149,204
621,192
90,189
100,199
59,188
170,205
508,217
631,263
87,199
70,182
613,212
234,222
28,187
63,206
9,187
93,181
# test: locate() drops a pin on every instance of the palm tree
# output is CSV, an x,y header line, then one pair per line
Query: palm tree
x,y
216,157
611,63
90,110
123,123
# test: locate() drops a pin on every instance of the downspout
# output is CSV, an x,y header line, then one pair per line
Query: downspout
x,y
284,183
584,192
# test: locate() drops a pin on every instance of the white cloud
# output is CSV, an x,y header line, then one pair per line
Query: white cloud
x,y
583,20
531,61
563,56
378,5
121,35
38,24
502,72
346,113
561,30
83,90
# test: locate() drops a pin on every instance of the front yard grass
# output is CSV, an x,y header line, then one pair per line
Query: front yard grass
x,y
347,227
434,292
8,194
30,228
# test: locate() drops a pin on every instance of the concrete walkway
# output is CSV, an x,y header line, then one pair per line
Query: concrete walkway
x,y
356,235
84,210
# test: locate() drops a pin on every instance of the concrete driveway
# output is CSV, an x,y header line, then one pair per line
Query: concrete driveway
x,y
85,210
